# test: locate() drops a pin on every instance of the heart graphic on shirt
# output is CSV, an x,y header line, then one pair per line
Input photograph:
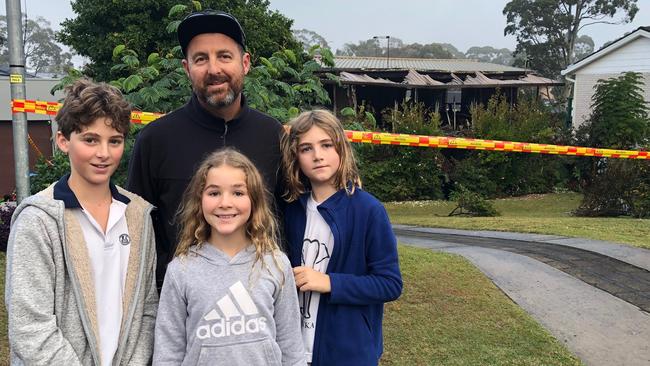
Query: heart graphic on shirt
x,y
322,253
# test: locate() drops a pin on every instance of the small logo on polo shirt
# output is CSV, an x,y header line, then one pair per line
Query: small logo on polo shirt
x,y
125,239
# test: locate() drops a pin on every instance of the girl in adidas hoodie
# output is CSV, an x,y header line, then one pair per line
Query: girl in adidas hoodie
x,y
229,296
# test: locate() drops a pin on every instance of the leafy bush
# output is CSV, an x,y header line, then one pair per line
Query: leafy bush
x,y
513,174
49,171
402,173
6,210
610,193
619,120
469,172
471,203
279,85
640,195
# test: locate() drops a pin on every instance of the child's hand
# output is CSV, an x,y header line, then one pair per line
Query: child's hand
x,y
308,279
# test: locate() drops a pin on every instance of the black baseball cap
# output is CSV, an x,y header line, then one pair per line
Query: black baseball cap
x,y
209,21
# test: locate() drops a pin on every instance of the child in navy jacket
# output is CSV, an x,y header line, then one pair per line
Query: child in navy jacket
x,y
341,245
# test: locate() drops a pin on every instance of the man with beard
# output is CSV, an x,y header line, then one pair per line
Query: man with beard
x,y
168,150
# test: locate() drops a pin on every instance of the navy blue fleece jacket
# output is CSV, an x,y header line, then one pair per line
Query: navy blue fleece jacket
x,y
364,274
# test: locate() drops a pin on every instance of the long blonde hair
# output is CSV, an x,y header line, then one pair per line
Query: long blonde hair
x,y
347,175
261,227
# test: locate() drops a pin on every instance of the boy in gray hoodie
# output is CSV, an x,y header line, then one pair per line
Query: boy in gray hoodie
x,y
80,286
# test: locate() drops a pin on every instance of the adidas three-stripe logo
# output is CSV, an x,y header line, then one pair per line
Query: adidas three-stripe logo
x,y
227,306
232,320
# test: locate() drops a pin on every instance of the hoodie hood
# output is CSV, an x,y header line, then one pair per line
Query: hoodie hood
x,y
43,201
217,257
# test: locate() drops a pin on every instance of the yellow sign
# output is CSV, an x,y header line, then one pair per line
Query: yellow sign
x,y
15,78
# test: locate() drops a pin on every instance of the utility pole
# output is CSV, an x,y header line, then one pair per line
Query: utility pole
x,y
387,49
17,81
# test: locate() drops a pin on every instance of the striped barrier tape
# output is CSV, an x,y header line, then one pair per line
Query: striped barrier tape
x,y
383,138
51,108
443,142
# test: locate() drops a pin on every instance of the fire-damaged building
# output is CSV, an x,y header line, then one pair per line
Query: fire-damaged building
x,y
448,86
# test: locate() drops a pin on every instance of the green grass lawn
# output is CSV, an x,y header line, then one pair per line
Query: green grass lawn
x,y
449,314
543,214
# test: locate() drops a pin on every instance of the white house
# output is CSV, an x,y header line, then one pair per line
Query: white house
x,y
628,53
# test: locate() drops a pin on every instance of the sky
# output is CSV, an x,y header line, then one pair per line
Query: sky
x,y
463,23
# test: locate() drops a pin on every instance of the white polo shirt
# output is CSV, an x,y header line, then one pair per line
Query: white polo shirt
x,y
109,256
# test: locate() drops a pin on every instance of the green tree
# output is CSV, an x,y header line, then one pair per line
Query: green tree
x,y
377,47
279,85
501,56
584,47
383,167
309,38
511,174
455,53
619,120
367,48
548,30
42,53
142,26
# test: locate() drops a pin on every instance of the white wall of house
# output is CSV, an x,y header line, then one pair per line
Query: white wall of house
x,y
633,56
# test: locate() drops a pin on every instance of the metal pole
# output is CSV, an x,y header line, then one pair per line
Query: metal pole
x,y
388,52
17,81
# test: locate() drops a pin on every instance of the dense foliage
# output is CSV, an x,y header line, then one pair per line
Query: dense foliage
x,y
395,47
471,203
403,173
48,170
512,174
547,30
143,26
280,85
6,211
42,53
619,119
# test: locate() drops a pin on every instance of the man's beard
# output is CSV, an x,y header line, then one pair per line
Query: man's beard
x,y
235,87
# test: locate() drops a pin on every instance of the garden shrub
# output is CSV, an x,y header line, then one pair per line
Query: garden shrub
x,y
397,173
610,194
619,120
514,174
469,172
471,203
640,195
48,171
6,211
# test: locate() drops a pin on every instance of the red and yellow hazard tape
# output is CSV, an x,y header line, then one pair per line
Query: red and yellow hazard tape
x,y
491,145
382,138
51,108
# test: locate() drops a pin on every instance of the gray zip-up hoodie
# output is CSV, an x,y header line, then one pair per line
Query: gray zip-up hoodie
x,y
50,293
217,310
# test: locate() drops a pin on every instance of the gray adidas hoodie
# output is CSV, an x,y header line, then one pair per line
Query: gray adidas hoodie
x,y
217,310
